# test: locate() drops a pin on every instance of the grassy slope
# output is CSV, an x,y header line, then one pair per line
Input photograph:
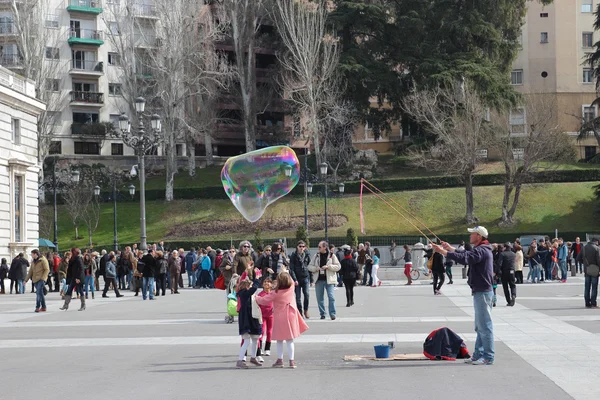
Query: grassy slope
x,y
567,207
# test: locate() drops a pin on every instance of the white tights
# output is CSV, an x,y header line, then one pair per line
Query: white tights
x,y
245,346
290,349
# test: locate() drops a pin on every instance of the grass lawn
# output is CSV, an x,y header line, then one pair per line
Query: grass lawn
x,y
543,208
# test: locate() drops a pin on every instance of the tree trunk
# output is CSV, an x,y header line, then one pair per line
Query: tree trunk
x,y
513,209
470,217
506,219
191,151
171,151
90,237
208,149
76,232
249,126
42,189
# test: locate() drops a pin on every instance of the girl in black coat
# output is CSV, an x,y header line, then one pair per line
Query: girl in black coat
x,y
75,279
249,327
349,274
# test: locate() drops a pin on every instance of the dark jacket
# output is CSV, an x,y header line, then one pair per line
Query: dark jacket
x,y
162,265
246,321
227,273
481,268
76,270
20,269
444,344
349,268
14,265
505,263
149,266
299,265
438,263
110,270
3,271
102,269
590,255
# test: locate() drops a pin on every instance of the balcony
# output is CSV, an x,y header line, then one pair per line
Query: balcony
x,y
146,41
82,98
90,129
11,61
7,29
85,36
85,6
145,11
144,72
86,68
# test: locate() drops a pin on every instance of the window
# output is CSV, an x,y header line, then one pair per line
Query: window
x,y
518,153
114,120
15,126
516,77
588,75
114,59
179,150
52,85
588,113
517,121
55,147
543,15
85,118
18,207
87,148
544,37
115,89
590,152
54,117
587,39
113,28
587,6
116,149
52,53
51,21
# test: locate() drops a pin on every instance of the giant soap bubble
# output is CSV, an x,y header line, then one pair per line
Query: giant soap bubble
x,y
258,178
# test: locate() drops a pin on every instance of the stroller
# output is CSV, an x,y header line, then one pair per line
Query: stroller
x,y
232,301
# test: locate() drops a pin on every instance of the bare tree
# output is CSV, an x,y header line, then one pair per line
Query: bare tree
x,y
75,201
37,42
90,214
338,129
309,61
456,117
244,17
526,137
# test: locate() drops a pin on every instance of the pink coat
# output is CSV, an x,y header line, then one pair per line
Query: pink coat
x,y
287,322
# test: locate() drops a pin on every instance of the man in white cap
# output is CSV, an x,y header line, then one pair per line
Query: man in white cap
x,y
481,276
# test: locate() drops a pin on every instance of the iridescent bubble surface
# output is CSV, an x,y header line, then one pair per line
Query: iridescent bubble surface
x,y
258,178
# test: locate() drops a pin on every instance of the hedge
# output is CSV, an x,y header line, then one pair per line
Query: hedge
x,y
338,241
385,185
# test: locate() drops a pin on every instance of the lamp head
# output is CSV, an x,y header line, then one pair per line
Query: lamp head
x,y
140,104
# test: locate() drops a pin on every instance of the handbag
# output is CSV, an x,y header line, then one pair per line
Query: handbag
x,y
430,263
220,282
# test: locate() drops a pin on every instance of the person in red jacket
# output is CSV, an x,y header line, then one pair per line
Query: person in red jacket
x,y
56,260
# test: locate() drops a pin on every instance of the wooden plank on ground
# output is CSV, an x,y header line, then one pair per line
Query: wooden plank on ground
x,y
395,357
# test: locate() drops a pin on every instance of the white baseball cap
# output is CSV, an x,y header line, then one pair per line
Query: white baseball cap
x,y
480,230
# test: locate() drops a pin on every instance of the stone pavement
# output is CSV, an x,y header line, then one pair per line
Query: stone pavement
x,y
547,347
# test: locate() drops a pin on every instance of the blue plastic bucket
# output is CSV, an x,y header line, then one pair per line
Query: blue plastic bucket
x,y
382,351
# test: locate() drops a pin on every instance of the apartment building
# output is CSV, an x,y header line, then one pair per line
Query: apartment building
x,y
19,112
555,41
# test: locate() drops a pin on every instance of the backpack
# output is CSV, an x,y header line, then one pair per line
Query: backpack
x,y
590,269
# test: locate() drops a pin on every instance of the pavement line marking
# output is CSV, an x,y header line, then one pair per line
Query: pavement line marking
x,y
540,339
214,340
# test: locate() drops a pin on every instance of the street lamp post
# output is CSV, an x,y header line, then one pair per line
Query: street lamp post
x,y
74,179
306,190
141,141
323,168
97,194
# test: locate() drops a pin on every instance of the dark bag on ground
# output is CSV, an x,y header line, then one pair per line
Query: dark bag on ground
x,y
444,344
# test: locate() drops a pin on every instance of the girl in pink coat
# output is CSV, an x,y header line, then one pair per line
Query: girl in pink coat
x,y
287,321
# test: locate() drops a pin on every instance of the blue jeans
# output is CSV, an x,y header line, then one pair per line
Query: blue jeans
x,y
191,278
320,287
591,285
536,271
148,287
302,288
563,270
89,281
40,300
206,278
21,286
578,266
484,345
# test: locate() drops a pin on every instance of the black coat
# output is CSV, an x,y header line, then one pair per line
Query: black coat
x,y
3,271
76,270
246,321
18,269
438,263
349,269
505,263
444,344
299,266
149,266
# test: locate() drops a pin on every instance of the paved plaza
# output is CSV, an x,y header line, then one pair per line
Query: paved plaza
x,y
547,347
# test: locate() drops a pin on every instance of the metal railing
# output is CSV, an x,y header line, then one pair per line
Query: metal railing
x,y
92,34
146,40
144,10
87,65
86,3
10,60
87,97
